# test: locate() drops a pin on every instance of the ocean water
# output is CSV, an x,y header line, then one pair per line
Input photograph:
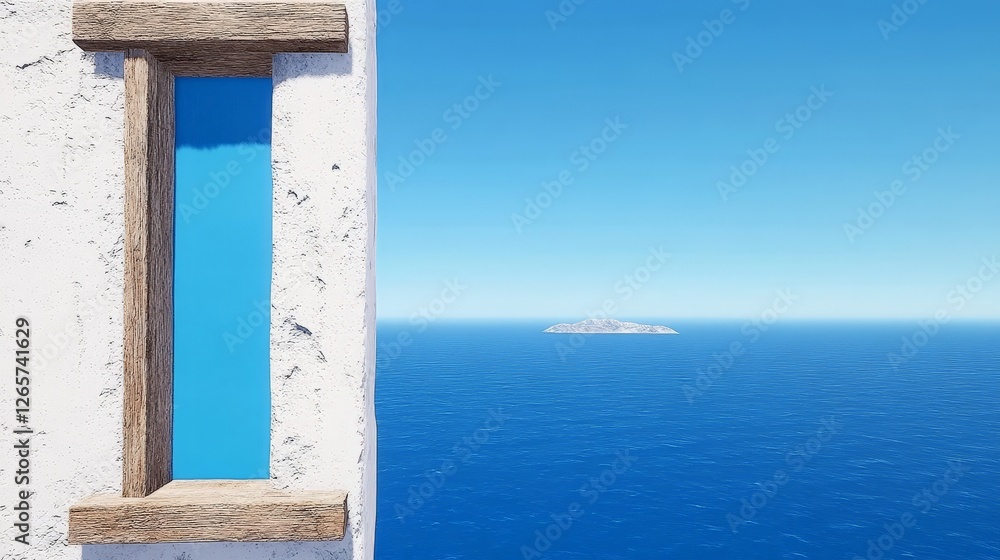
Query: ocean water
x,y
499,441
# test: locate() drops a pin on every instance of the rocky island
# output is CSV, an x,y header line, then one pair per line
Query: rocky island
x,y
608,326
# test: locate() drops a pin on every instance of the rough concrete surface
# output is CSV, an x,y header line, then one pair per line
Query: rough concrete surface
x,y
61,245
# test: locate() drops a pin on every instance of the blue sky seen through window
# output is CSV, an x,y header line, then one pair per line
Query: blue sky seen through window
x,y
222,278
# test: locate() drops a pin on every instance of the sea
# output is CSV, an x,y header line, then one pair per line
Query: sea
x,y
799,440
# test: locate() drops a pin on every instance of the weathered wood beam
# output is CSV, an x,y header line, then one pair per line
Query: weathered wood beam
x,y
210,511
212,37
149,258
208,28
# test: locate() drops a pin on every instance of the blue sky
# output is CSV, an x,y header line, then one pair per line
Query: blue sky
x,y
536,88
222,278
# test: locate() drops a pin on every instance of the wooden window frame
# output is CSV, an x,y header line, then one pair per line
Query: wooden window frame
x,y
163,39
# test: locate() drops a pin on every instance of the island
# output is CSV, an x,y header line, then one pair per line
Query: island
x,y
608,326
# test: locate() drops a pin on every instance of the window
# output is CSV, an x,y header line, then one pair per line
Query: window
x,y
163,40
222,278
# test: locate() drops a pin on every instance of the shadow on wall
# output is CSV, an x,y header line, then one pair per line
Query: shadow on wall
x,y
340,550
108,64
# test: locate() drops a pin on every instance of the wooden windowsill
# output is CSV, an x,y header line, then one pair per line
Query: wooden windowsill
x,y
210,511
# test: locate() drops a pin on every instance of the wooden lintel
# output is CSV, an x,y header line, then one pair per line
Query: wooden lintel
x,y
207,28
210,511
149,259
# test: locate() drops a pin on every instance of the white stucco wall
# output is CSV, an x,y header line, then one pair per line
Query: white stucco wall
x,y
61,243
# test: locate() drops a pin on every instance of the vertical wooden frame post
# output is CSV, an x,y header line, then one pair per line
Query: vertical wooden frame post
x,y
149,258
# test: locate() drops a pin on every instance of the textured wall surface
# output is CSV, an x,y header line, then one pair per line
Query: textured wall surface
x,y
61,242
